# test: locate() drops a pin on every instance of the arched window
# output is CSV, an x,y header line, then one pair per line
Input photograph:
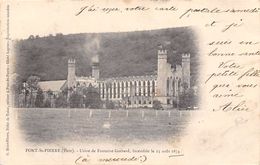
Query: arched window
x,y
110,90
118,90
153,88
139,87
144,88
131,88
148,88
103,90
126,88
135,89
114,90
122,89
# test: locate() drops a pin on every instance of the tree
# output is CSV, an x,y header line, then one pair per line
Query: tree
x,y
91,97
47,104
61,101
33,86
157,105
16,89
110,105
188,99
50,93
74,100
39,98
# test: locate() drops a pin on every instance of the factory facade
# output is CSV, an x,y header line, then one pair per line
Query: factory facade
x,y
137,91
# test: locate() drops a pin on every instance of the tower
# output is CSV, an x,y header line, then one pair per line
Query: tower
x,y
71,73
161,90
186,70
95,67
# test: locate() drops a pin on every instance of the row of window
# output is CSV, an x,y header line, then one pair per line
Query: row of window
x,y
137,88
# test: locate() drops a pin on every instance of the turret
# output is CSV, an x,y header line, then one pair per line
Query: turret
x,y
71,72
162,61
162,70
186,69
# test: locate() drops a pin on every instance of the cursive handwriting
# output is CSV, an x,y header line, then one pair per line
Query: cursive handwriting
x,y
215,52
226,95
185,14
226,73
216,86
232,25
82,160
225,42
86,8
252,72
254,53
140,159
216,10
230,64
86,160
241,106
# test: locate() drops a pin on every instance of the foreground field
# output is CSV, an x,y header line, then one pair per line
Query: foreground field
x,y
50,125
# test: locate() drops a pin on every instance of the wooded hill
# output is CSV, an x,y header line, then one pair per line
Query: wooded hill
x,y
120,54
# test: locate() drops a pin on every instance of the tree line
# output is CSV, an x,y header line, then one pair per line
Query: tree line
x,y
29,94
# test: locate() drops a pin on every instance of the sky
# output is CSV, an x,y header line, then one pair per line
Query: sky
x,y
50,17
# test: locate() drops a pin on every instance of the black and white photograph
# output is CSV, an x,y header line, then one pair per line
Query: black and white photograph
x,y
120,86
126,82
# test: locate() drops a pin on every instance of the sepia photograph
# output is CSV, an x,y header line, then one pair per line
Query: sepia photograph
x,y
122,86
129,82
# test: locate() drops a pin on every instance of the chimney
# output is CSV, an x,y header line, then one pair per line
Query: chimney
x,y
95,67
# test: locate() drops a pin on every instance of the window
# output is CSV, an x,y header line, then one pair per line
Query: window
x,y
144,88
135,88
103,90
131,88
126,88
118,90
139,87
148,88
153,88
114,90
122,89
110,90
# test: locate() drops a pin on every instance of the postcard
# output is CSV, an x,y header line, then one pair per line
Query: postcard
x,y
130,82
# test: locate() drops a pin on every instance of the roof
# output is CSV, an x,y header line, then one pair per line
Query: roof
x,y
52,85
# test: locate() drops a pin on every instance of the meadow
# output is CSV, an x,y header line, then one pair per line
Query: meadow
x,y
45,125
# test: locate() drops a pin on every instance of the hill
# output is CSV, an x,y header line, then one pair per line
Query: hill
x,y
120,54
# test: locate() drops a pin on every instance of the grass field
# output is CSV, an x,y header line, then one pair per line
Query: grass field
x,y
50,125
